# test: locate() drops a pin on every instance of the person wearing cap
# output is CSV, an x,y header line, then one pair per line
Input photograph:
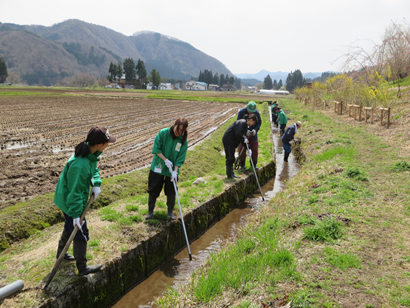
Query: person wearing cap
x,y
252,134
169,149
273,112
234,135
72,191
282,120
288,136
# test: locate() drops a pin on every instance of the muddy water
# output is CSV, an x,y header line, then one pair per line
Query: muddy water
x,y
177,270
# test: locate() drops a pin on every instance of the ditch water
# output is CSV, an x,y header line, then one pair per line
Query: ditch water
x,y
178,269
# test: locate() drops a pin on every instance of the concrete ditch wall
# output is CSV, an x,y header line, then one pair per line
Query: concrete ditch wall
x,y
121,274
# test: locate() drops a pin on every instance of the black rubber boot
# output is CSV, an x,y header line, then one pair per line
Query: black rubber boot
x,y
230,174
80,252
286,157
242,165
61,244
171,205
151,206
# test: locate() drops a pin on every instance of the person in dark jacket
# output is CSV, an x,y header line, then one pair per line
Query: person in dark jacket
x,y
169,149
73,189
288,136
252,134
235,135
273,112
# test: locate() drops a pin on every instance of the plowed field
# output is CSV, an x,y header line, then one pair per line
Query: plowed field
x,y
38,134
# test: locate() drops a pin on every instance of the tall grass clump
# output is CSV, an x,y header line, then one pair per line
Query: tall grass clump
x,y
401,166
356,174
325,230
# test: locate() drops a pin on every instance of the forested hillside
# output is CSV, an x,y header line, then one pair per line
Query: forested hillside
x,y
46,55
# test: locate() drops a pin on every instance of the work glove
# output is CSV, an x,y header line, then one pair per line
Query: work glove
x,y
248,133
253,132
250,153
245,140
96,191
168,163
76,222
174,176
292,142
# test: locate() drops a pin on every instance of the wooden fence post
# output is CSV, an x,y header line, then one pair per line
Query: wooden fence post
x,y
388,117
360,111
371,119
381,116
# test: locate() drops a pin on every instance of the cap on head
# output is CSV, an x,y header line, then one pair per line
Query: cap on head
x,y
98,135
299,123
252,106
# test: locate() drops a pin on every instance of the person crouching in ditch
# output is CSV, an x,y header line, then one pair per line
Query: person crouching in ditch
x,y
72,192
235,135
170,147
288,137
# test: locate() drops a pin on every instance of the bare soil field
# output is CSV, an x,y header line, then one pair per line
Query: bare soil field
x,y
39,133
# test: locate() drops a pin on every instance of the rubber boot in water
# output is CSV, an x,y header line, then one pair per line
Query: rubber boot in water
x,y
171,205
80,252
151,206
61,244
286,157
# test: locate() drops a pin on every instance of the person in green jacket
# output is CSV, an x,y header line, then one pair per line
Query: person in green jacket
x,y
282,120
170,147
72,192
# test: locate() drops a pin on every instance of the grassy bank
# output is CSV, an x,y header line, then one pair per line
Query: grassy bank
x,y
120,223
336,237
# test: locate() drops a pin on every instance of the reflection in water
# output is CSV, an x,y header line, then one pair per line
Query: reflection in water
x,y
178,269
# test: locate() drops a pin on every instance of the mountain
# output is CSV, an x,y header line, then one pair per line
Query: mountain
x,y
45,55
274,75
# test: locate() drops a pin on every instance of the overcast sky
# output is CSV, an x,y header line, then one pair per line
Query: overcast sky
x,y
247,36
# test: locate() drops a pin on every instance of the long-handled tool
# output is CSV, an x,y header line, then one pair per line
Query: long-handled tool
x,y
237,162
67,245
182,219
254,171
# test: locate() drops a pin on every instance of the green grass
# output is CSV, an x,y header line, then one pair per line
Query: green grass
x,y
341,260
200,98
325,230
16,93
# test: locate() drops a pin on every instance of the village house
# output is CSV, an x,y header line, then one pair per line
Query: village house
x,y
227,87
196,85
213,87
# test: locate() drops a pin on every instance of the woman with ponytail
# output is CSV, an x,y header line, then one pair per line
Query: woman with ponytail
x,y
170,147
72,191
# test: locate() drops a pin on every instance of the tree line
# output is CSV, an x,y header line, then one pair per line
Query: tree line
x,y
3,71
209,78
131,71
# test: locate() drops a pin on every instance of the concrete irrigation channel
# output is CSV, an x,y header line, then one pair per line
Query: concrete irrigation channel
x,y
178,269
164,255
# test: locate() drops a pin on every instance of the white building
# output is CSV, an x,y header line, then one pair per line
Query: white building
x,y
196,85
165,86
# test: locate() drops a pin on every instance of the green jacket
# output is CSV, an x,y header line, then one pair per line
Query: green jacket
x,y
73,187
172,149
282,117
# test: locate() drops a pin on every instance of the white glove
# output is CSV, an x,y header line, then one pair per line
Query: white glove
x,y
76,223
245,140
96,191
168,163
174,177
253,132
250,153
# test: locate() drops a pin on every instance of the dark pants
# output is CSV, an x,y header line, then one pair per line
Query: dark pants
x,y
68,226
253,145
287,147
274,118
282,129
229,154
157,181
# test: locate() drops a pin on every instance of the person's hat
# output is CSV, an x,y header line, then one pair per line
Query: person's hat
x,y
252,106
98,135
299,123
